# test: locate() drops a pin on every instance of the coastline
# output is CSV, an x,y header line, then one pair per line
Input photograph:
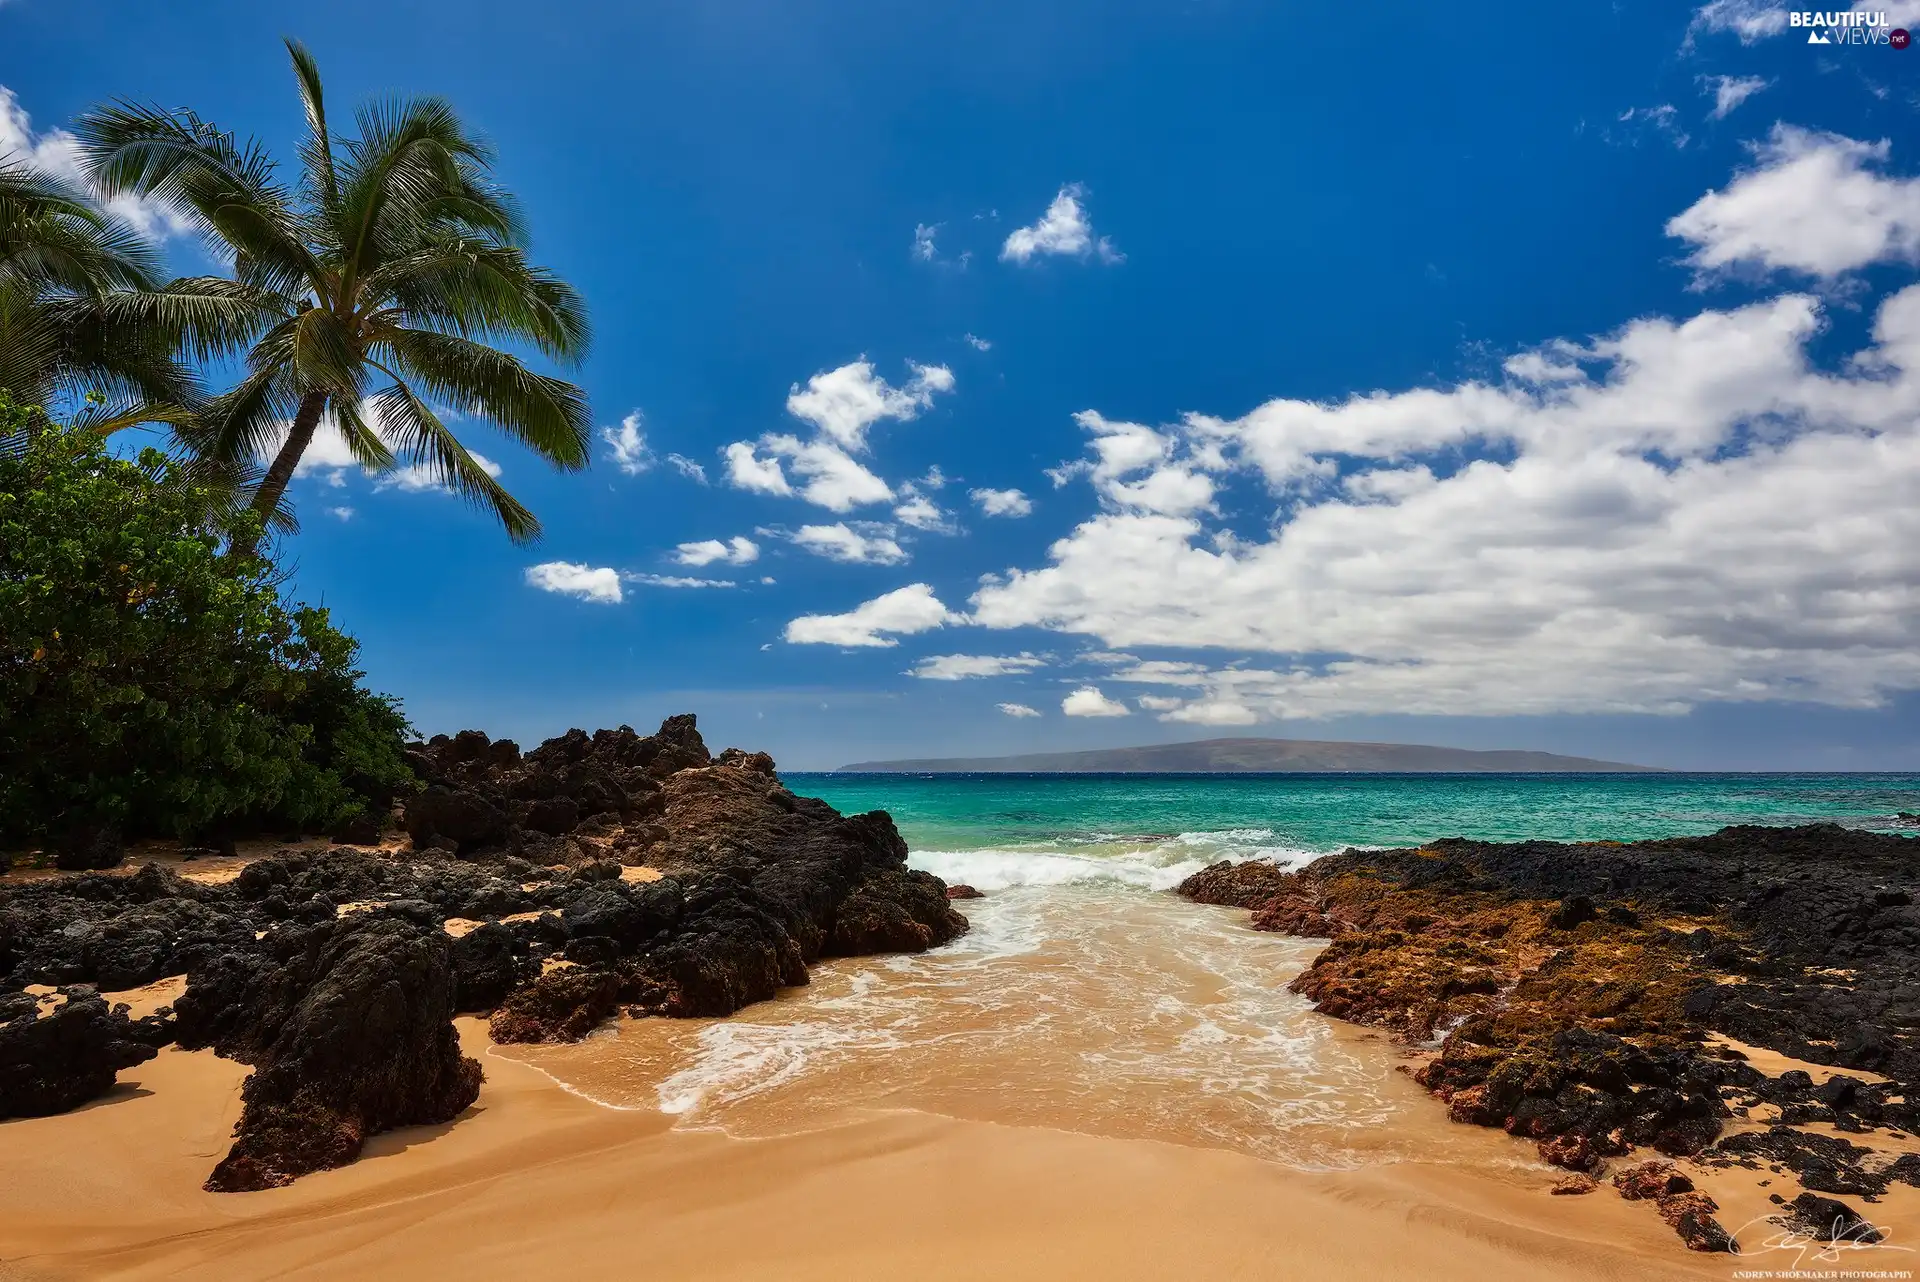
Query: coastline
x,y
535,1181
1094,1080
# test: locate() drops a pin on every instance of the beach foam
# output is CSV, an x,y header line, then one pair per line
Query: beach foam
x,y
1143,863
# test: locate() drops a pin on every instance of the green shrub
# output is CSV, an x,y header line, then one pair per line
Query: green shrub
x,y
150,679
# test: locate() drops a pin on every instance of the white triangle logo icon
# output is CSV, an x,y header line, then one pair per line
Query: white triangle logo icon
x,y
1816,38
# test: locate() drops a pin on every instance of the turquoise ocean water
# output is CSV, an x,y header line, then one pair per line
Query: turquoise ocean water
x,y
1086,998
1017,829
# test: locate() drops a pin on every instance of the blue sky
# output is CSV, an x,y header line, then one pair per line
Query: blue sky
x,y
1451,377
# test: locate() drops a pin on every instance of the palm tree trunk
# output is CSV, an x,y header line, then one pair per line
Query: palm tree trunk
x,y
305,422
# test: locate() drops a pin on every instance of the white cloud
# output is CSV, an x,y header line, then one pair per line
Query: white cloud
x,y
688,468
57,152
419,478
328,460
834,479
1812,204
1213,712
922,513
958,667
1017,710
1677,513
1750,20
869,544
735,551
902,612
977,343
627,445
676,581
1637,123
568,578
746,470
1063,230
843,403
926,251
1157,703
1002,502
341,513
1137,468
1087,701
1730,91
1755,20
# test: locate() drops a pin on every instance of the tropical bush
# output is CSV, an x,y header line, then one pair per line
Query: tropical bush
x,y
152,678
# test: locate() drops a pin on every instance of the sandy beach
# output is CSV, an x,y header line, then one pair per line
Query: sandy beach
x,y
540,1183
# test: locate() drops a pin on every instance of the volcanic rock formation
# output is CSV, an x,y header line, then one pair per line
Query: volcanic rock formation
x,y
1569,990
594,875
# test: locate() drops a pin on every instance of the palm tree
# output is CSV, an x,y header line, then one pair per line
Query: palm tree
x,y
80,313
364,295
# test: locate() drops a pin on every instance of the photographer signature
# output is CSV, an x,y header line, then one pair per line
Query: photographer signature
x,y
1842,1237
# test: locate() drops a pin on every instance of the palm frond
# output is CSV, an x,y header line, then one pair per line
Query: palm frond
x,y
423,438
546,414
477,288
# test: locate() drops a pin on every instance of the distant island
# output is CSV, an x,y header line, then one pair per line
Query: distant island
x,y
1256,756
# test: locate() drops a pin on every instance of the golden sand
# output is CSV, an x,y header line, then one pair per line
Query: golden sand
x,y
538,1183
1101,1088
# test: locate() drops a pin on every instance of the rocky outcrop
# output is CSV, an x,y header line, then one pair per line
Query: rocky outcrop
x,y
348,1025
1565,992
336,974
60,1052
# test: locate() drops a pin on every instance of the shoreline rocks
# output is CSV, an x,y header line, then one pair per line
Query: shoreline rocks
x,y
1566,992
591,876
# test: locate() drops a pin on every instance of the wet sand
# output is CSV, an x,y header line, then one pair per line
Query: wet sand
x,y
539,1183
1095,1083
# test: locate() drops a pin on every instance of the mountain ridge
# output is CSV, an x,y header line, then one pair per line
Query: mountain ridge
x,y
1258,756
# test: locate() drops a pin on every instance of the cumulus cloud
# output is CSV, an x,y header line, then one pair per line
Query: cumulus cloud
x,y
1087,701
1728,92
842,405
1002,502
920,512
746,470
601,585
57,152
1675,513
863,543
1811,203
688,468
735,551
1018,710
627,445
903,612
341,513
1137,468
959,667
1212,712
1063,231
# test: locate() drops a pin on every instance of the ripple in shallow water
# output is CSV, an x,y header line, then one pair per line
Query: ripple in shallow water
x,y
1093,1004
